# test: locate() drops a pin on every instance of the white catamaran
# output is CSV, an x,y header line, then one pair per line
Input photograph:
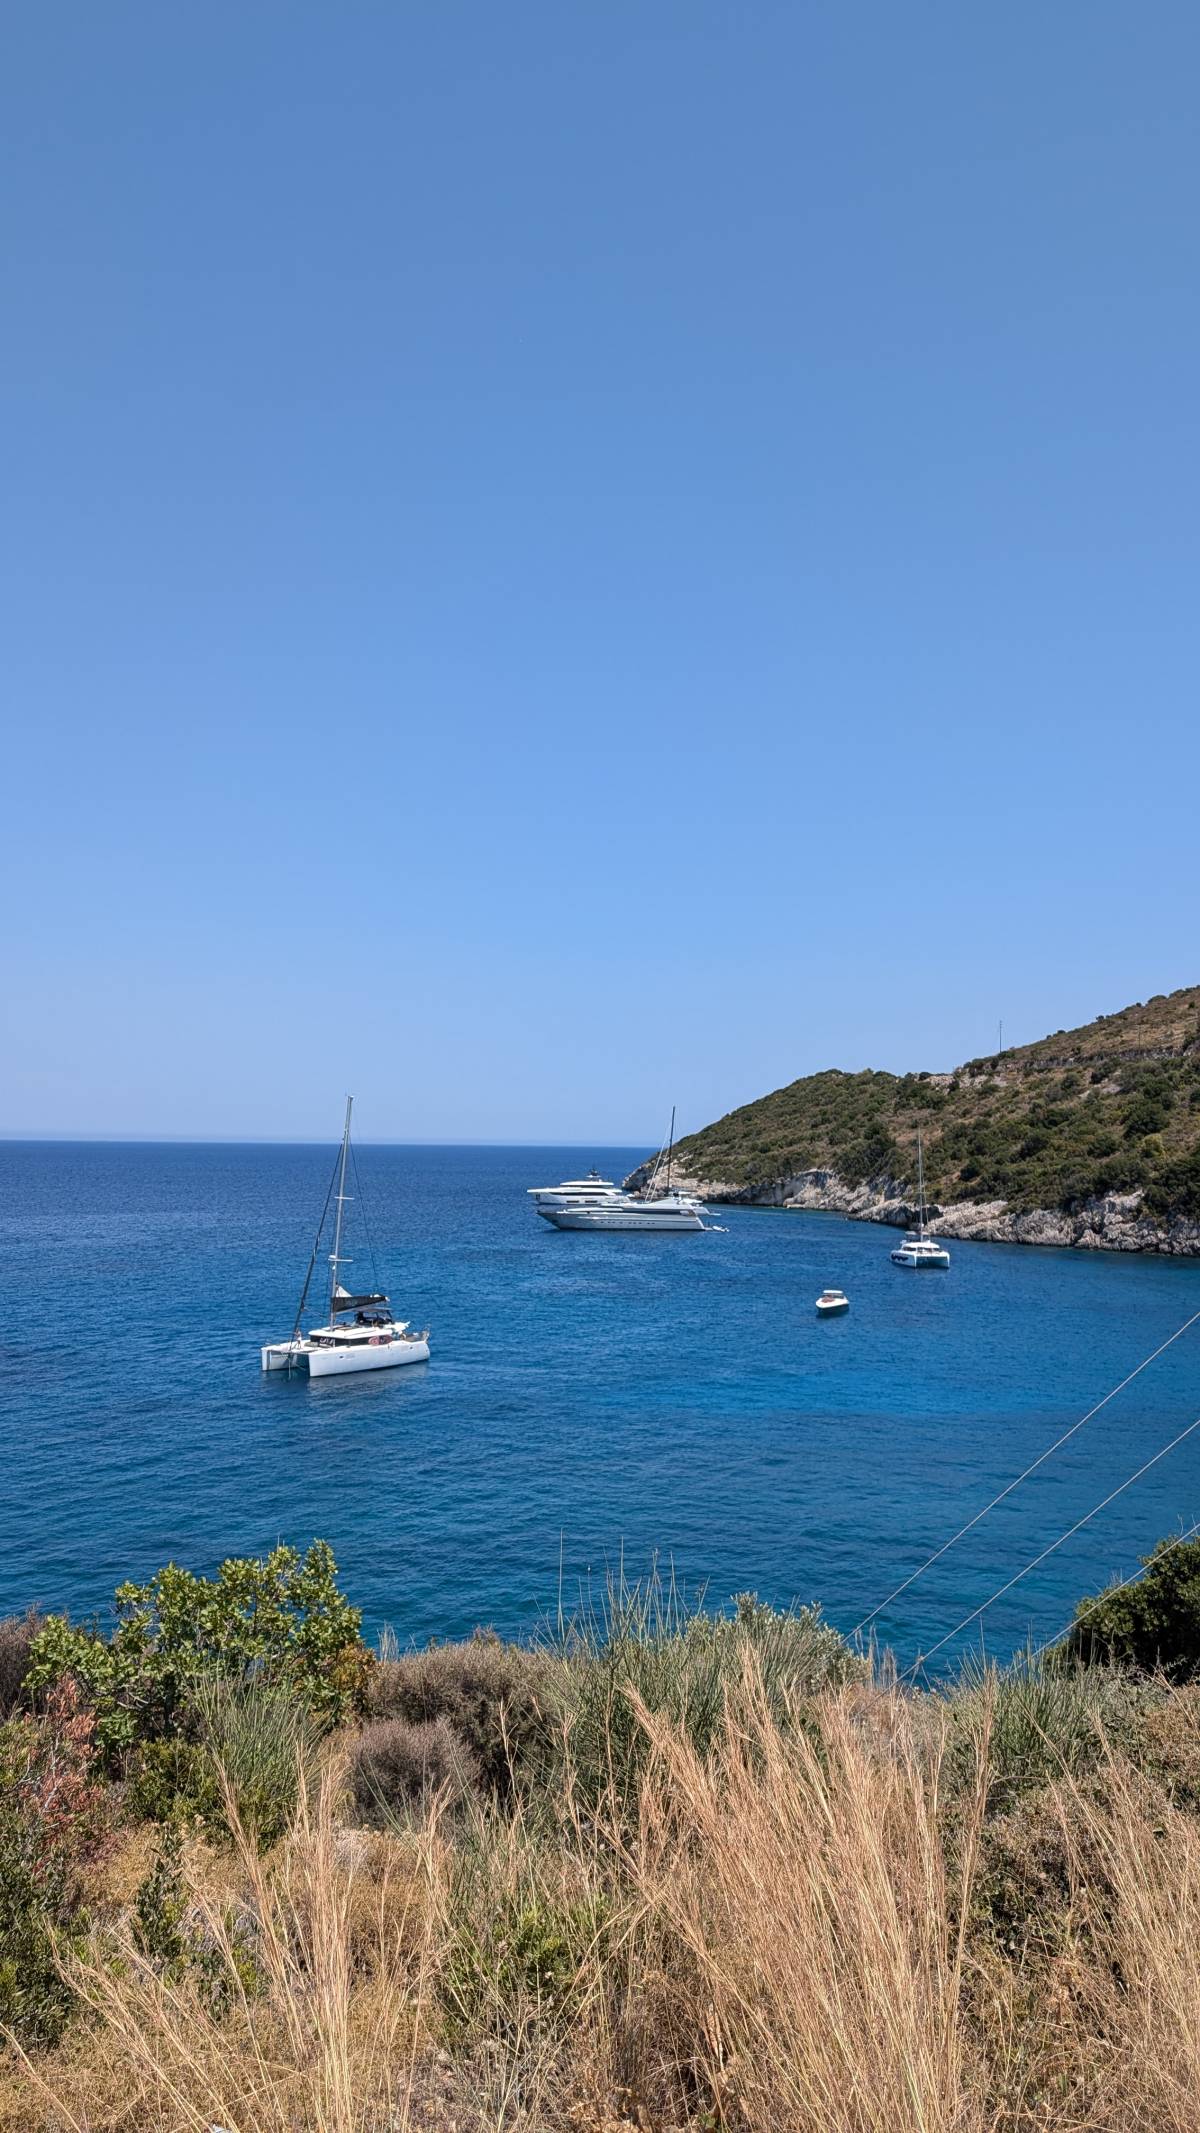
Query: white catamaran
x,y
361,1333
918,1250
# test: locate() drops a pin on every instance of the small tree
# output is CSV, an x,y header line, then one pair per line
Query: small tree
x,y
1153,1624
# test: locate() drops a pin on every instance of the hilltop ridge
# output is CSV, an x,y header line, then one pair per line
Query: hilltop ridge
x,y
1090,1136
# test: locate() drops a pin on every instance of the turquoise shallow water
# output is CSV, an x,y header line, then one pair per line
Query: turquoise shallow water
x,y
607,1394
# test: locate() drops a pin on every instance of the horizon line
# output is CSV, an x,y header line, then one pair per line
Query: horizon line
x,y
282,1140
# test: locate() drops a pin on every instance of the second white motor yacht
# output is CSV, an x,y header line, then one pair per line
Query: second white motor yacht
x,y
671,1210
658,1208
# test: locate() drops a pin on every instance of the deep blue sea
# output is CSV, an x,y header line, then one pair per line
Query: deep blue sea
x,y
590,1399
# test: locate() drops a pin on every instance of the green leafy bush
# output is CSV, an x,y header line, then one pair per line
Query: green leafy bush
x,y
281,1622
178,1946
1154,1624
519,1963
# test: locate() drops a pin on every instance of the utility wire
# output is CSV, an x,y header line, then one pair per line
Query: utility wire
x,y
976,1612
1039,1461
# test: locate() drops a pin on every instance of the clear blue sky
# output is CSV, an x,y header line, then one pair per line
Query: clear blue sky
x,y
563,558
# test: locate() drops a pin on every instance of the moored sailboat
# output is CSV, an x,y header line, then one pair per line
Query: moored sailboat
x,y
918,1250
361,1333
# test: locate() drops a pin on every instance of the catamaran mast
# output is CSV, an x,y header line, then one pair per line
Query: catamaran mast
x,y
335,1256
920,1187
670,1147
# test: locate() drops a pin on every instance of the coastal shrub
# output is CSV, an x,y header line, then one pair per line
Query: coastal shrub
x,y
160,1905
17,1633
1168,1745
261,1743
1148,1115
171,1780
524,1970
396,1767
646,1650
281,1622
1153,1625
499,1699
1176,1189
1023,1891
1039,1721
56,1825
874,1155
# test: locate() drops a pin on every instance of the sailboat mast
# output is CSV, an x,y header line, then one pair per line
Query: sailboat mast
x,y
920,1186
670,1147
336,1254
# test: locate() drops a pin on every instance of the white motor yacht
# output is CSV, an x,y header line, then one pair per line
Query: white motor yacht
x,y
671,1210
361,1333
831,1302
918,1250
592,1191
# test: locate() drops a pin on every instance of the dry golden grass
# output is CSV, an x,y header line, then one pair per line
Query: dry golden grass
x,y
791,1934
805,1879
309,2010
1136,1860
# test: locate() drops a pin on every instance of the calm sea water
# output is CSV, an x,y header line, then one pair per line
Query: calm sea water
x,y
604,1396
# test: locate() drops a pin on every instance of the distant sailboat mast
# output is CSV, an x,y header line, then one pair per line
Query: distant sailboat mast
x,y
335,1256
920,1188
670,1147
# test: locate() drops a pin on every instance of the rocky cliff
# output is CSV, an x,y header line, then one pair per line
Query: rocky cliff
x,y
1089,1138
1116,1223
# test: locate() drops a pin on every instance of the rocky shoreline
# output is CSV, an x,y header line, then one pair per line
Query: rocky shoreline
x,y
1113,1224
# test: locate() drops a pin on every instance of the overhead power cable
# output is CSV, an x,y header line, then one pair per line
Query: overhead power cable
x,y
977,1612
1041,1459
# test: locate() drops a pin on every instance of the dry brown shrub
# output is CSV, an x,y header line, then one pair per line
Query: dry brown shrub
x,y
396,1767
498,1698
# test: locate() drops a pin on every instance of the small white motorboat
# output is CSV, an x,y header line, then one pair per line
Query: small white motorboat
x,y
832,1302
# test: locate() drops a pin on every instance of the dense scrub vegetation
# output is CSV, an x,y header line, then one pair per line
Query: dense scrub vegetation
x,y
674,1872
1112,1107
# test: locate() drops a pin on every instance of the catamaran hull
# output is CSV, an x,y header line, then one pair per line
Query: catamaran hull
x,y
340,1362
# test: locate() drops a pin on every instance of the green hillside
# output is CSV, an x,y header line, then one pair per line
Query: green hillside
x,y
1085,1112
